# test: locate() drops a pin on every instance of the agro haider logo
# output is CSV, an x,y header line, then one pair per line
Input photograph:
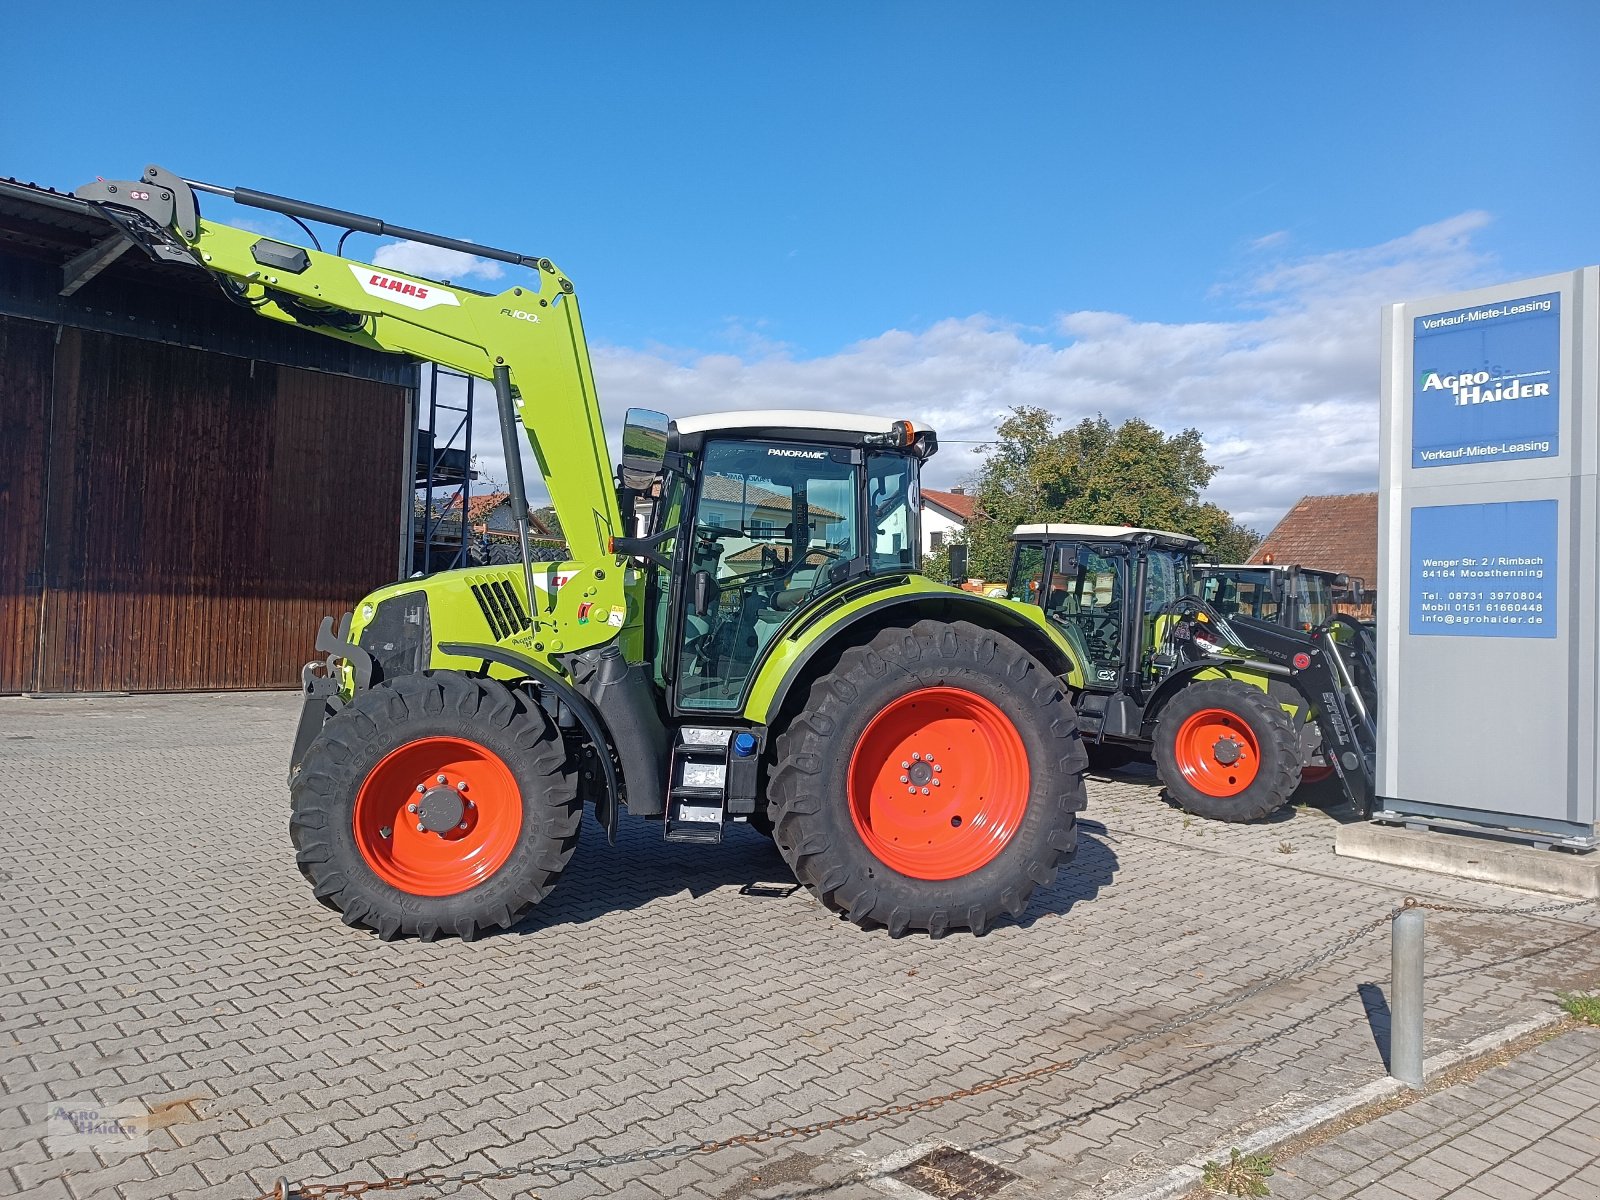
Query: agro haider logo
x,y
1484,387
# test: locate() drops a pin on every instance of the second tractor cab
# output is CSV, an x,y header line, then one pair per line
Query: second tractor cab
x,y
1236,710
1293,596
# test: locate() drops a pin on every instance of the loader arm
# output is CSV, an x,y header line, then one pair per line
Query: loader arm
x,y
532,336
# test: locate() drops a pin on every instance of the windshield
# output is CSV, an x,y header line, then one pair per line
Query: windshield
x,y
1240,594
1315,595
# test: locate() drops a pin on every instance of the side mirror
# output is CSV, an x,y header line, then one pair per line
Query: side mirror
x,y
644,446
958,563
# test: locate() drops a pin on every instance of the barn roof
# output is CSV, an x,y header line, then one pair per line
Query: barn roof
x,y
1330,533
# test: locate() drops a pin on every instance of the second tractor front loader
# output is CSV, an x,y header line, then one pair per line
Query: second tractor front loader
x,y
741,635
1236,711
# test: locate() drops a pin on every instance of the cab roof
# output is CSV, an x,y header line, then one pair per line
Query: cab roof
x,y
1210,566
1104,533
779,419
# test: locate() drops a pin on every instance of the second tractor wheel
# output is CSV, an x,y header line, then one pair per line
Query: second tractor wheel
x,y
433,804
1226,751
931,781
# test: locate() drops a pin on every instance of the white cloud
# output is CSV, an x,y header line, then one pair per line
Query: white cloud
x,y
1286,395
435,262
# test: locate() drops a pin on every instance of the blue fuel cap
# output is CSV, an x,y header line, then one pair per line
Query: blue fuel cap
x,y
744,744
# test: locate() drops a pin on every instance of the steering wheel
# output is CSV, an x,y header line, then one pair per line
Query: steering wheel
x,y
828,554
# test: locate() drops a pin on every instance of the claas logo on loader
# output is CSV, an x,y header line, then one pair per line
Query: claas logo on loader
x,y
402,291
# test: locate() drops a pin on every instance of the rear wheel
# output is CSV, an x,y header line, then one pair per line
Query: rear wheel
x,y
1226,751
931,781
435,804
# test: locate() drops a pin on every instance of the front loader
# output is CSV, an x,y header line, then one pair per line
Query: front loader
x,y
1237,710
741,635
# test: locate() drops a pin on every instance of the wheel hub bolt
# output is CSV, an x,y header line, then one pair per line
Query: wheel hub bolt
x,y
411,808
421,828
938,766
421,788
935,783
916,757
463,825
904,766
442,779
924,791
462,786
903,779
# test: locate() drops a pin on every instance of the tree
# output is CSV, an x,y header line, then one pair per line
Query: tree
x,y
1098,473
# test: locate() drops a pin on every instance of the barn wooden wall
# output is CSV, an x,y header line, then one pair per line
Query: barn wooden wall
x,y
190,516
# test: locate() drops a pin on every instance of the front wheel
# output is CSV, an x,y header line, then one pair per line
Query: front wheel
x,y
931,781
433,804
1226,751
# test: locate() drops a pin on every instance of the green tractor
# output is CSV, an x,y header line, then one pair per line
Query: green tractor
x,y
1236,710
742,635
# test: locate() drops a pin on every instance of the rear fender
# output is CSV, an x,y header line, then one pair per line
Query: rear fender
x,y
794,659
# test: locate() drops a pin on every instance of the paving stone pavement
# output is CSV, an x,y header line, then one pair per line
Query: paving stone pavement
x,y
1527,1130
161,950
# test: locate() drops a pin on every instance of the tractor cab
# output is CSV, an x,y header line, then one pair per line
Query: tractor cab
x,y
1106,587
754,518
1294,597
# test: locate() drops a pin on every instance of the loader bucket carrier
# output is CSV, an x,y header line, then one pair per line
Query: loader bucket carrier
x,y
741,636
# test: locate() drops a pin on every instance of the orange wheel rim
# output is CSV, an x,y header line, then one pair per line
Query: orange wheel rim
x,y
438,816
1217,753
938,783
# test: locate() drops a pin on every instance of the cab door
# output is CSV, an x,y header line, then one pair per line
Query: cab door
x,y
775,524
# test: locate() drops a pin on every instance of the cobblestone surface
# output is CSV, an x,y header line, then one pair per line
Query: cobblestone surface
x,y
1528,1130
162,949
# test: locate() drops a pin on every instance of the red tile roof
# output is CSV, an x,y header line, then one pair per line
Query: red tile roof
x,y
955,502
479,508
1329,533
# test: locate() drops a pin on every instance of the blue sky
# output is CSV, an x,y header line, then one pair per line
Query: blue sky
x,y
1187,212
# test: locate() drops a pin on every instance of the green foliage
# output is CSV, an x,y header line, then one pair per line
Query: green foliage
x,y
1241,1175
1095,472
1578,1004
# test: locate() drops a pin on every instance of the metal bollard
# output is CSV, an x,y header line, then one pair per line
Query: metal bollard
x,y
1405,998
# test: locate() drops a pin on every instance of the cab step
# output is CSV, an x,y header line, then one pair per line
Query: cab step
x,y
697,785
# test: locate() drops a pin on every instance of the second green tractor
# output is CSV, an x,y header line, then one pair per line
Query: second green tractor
x,y
1238,707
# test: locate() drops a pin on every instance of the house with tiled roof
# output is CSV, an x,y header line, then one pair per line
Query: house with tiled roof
x,y
943,515
490,515
1328,533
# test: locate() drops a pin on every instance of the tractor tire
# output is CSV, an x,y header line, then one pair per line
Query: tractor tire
x,y
931,781
1226,751
391,848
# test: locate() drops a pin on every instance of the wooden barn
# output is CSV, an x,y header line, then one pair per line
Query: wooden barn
x,y
185,488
